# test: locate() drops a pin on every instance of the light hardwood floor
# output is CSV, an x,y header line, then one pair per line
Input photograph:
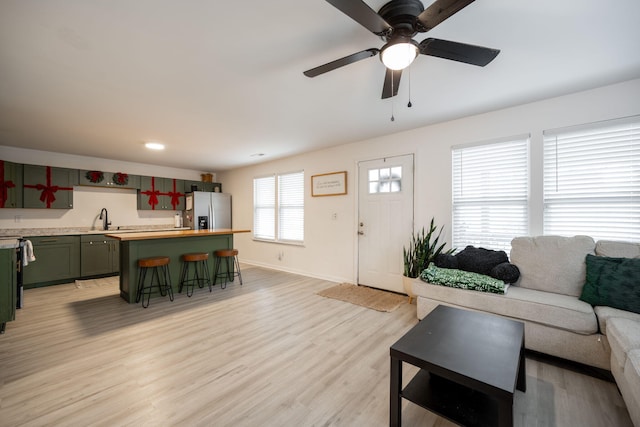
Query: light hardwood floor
x,y
268,353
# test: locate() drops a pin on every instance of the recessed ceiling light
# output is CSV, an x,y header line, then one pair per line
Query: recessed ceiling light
x,y
154,146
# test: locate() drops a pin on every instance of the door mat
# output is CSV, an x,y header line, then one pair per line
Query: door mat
x,y
96,283
364,296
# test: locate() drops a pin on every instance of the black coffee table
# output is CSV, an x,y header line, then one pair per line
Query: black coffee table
x,y
471,364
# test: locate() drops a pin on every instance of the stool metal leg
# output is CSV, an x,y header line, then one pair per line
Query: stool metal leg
x,y
217,274
205,274
184,279
183,276
237,263
167,281
142,274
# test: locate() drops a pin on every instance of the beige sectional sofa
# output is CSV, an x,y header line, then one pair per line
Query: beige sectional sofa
x,y
557,322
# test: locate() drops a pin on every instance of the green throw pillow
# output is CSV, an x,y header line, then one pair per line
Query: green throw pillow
x,y
613,282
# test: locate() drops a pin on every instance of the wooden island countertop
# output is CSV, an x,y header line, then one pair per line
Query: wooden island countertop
x,y
172,234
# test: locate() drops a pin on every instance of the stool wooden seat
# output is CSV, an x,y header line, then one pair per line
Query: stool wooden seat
x,y
159,266
200,271
230,257
156,261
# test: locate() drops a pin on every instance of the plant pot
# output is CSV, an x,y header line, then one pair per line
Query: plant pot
x,y
407,282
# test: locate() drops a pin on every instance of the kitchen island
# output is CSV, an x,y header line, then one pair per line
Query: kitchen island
x,y
173,244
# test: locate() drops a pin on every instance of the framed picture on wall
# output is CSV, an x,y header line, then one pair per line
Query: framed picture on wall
x,y
329,184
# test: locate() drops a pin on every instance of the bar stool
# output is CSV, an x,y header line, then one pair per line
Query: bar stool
x,y
233,266
159,267
200,271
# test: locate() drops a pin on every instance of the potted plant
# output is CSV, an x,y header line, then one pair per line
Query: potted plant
x,y
423,249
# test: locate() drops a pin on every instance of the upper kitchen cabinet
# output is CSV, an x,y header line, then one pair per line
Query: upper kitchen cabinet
x,y
10,185
48,187
202,186
160,194
97,178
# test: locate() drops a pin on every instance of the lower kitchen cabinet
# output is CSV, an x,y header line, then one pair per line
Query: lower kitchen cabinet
x,y
57,261
99,255
7,286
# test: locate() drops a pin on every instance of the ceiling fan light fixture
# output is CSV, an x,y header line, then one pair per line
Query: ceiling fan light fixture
x,y
399,54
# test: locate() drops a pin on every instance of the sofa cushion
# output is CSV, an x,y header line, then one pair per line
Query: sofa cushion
x,y
614,282
552,263
604,313
623,336
554,310
615,249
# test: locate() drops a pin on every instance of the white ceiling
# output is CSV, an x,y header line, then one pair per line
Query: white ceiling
x,y
219,81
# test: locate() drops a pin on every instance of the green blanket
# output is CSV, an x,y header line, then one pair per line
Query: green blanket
x,y
462,279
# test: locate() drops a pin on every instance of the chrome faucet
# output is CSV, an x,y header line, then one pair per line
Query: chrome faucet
x,y
105,219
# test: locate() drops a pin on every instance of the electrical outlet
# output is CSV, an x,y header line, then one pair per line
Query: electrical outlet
x,y
17,218
334,216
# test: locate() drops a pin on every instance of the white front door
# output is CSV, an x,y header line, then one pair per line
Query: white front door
x,y
385,212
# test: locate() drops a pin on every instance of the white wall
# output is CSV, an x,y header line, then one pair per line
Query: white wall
x,y
330,249
87,201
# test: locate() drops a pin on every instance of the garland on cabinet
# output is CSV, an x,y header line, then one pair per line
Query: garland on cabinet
x,y
94,176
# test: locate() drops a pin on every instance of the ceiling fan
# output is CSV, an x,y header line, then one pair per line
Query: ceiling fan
x,y
397,22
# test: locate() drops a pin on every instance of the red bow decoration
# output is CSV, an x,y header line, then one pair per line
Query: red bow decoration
x,y
48,195
4,186
153,193
175,199
175,196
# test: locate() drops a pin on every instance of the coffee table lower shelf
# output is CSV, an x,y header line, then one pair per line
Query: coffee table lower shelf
x,y
450,400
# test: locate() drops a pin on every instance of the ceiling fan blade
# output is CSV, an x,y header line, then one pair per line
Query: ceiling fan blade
x,y
461,52
438,11
363,15
389,89
350,59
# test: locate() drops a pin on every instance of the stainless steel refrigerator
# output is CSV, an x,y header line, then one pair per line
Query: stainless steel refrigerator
x,y
207,211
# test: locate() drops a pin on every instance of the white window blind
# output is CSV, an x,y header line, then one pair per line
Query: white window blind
x,y
264,208
490,193
592,180
278,208
291,207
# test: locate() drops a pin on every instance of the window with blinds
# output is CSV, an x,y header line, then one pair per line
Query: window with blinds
x,y
278,208
291,207
592,180
490,193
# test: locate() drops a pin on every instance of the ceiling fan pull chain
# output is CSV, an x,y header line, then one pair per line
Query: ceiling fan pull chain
x,y
409,105
393,119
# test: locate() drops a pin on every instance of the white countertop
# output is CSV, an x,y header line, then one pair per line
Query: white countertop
x,y
34,232
8,243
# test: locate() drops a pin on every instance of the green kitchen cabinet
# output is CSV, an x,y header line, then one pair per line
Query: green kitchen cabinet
x,y
10,184
96,178
47,187
161,194
57,261
99,255
203,186
8,292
